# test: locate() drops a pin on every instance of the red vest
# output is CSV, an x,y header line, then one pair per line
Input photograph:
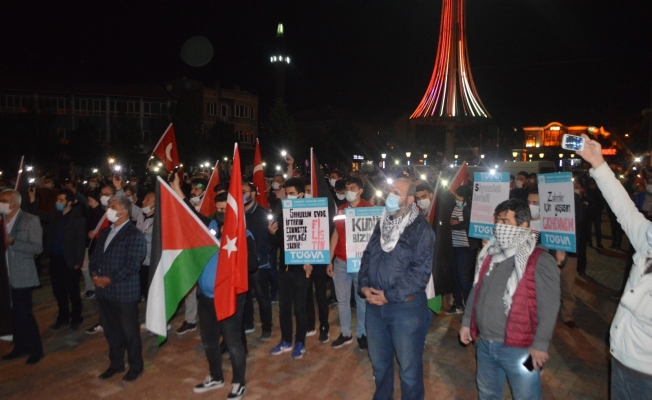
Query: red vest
x,y
522,319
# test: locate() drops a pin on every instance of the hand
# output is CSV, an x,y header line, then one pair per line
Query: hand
x,y
32,194
174,184
101,281
592,152
118,182
10,240
308,269
91,234
455,222
465,335
372,201
484,242
365,291
77,266
272,227
329,270
289,159
376,297
538,357
560,256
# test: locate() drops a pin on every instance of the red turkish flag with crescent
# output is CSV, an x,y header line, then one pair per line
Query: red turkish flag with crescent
x,y
259,178
166,150
231,278
207,207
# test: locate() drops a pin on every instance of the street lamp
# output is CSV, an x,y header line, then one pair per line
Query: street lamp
x,y
408,154
383,156
425,156
456,156
397,162
514,154
541,155
111,160
530,155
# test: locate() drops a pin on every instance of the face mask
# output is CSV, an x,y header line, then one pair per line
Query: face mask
x,y
147,210
519,184
49,185
307,196
112,215
351,196
507,236
577,191
4,208
60,206
219,217
459,204
423,204
535,211
332,182
340,196
391,203
197,199
292,197
276,185
531,181
104,200
246,200
92,185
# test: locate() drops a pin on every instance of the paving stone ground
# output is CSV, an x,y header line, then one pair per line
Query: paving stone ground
x,y
577,369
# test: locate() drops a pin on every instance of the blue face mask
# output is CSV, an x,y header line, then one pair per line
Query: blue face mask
x,y
460,204
391,203
60,206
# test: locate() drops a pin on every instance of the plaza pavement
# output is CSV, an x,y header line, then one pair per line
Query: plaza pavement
x,y
577,368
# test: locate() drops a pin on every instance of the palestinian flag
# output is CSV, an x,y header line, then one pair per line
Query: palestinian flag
x,y
181,248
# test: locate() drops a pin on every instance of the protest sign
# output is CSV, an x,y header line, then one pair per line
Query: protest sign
x,y
489,190
359,225
305,231
557,205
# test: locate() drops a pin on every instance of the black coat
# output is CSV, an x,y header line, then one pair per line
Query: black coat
x,y
74,238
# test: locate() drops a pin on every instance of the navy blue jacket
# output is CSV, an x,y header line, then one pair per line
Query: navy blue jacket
x,y
257,224
120,262
404,271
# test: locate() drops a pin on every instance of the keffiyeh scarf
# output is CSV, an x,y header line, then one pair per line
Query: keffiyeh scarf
x,y
392,228
508,241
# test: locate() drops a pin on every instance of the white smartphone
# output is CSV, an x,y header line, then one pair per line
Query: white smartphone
x,y
572,142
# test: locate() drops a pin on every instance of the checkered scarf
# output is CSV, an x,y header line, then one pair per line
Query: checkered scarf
x,y
508,241
392,228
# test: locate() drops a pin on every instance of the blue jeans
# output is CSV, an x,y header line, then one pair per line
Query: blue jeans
x,y
398,328
495,361
627,384
343,281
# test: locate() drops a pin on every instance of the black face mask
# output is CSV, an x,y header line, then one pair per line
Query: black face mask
x,y
219,218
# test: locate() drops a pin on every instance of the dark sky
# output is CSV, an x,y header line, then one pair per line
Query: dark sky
x,y
533,61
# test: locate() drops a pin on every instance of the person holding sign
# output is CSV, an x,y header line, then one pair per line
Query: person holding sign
x,y
338,271
631,329
394,272
292,285
513,304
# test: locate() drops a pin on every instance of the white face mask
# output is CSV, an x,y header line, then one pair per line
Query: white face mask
x,y
423,204
535,211
276,185
351,196
307,196
195,200
104,200
291,197
519,184
112,215
92,185
332,182
147,210
340,196
4,208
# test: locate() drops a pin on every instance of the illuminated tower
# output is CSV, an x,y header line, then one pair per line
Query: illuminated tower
x,y
280,61
451,97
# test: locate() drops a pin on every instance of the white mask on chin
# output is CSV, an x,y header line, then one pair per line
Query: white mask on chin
x,y
276,185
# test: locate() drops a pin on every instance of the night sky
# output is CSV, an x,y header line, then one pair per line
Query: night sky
x,y
533,61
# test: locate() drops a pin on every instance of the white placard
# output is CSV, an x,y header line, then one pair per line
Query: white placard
x,y
305,231
359,225
489,190
557,205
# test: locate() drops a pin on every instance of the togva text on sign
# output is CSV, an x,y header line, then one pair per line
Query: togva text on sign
x,y
489,190
305,231
557,205
359,226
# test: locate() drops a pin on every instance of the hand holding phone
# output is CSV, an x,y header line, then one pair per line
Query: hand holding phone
x,y
572,142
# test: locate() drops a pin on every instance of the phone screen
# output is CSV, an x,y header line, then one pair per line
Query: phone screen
x,y
572,142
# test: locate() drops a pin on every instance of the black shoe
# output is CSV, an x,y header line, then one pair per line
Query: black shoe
x,y
132,375
89,294
265,336
362,342
324,336
13,355
237,391
110,372
75,324
34,359
186,327
58,325
341,341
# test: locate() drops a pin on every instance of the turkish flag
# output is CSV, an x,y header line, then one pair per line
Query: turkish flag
x,y
459,179
259,178
207,207
231,278
166,150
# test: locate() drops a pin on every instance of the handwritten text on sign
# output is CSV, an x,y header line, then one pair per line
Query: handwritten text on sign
x,y
305,231
489,190
557,203
359,225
